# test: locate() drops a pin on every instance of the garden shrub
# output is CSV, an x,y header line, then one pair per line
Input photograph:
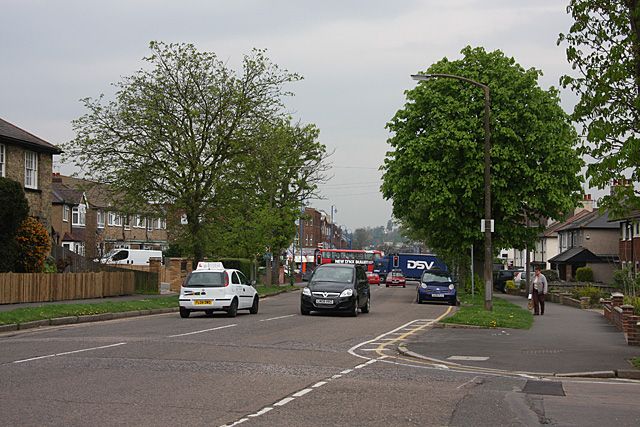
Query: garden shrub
x,y
584,274
635,302
592,292
14,208
242,264
510,284
33,244
478,285
551,275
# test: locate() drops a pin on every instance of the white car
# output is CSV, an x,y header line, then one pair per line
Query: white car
x,y
211,287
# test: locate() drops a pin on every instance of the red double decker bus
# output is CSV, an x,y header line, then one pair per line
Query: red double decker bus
x,y
348,256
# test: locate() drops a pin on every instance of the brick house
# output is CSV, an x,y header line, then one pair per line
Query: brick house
x,y
98,225
27,159
591,240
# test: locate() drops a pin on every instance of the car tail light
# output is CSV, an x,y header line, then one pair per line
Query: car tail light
x,y
226,279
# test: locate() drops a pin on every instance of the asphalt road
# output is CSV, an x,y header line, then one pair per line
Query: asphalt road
x,y
276,368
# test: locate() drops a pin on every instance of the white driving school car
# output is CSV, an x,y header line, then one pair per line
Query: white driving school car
x,y
211,287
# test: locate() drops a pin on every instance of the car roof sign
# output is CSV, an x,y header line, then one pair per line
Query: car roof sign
x,y
203,265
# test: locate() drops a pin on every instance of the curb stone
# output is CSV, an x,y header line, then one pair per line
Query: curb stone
x,y
632,374
64,320
34,324
8,328
594,374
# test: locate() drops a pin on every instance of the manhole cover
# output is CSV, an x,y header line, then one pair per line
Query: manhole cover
x,y
549,388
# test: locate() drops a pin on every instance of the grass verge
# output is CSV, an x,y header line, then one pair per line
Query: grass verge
x,y
636,362
52,311
504,314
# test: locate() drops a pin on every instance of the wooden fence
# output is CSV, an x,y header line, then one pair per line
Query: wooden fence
x,y
40,287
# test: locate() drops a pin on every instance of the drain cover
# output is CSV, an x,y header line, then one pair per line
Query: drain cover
x,y
549,388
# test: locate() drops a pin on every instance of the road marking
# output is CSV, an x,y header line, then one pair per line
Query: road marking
x,y
472,358
346,371
69,352
468,382
336,376
320,384
276,318
202,331
261,412
302,392
284,401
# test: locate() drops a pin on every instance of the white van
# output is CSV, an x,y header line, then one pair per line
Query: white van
x,y
130,256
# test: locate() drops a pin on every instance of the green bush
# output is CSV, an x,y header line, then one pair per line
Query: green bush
x,y
592,292
510,284
584,274
479,284
635,302
551,275
14,209
242,264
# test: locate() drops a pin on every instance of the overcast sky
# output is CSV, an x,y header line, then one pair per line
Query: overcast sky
x,y
356,58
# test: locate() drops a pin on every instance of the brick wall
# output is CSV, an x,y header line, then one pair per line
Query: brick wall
x,y
622,317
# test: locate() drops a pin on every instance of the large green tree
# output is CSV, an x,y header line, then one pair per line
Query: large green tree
x,y
603,46
434,172
177,129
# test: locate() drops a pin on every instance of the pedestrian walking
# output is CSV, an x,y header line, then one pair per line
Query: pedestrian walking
x,y
538,290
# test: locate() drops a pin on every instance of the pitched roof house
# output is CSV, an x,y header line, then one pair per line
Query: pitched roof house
x,y
28,159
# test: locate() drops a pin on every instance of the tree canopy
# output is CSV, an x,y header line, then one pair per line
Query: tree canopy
x,y
603,46
434,172
179,132
14,209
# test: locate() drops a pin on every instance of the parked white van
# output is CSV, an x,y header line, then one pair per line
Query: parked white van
x,y
130,256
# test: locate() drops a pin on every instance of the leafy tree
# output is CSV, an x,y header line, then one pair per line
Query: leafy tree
x,y
270,188
33,244
603,46
14,208
361,238
175,131
434,174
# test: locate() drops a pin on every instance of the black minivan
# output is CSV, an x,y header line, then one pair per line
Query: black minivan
x,y
337,287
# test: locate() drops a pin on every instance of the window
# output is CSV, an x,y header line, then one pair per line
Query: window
x,y
100,218
78,216
138,222
114,219
149,224
30,169
65,213
125,222
2,156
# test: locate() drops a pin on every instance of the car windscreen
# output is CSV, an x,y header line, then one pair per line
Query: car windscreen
x,y
208,279
340,275
437,278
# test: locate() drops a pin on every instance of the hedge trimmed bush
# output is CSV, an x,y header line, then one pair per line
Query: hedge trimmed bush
x,y
14,209
551,275
242,264
33,245
584,274
592,292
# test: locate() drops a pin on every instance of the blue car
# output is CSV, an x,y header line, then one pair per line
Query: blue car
x,y
437,285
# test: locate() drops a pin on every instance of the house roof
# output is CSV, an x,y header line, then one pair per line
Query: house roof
x,y
98,195
552,230
577,254
13,134
592,220
65,195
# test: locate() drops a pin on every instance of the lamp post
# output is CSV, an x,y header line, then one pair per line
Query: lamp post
x,y
488,222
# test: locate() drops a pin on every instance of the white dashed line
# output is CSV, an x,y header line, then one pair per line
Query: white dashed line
x,y
69,352
302,392
320,384
346,371
203,331
261,412
284,401
276,318
336,376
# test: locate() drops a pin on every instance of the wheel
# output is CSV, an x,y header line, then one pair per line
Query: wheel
x,y
254,307
304,311
184,312
418,298
404,286
367,306
209,313
354,311
233,308
386,284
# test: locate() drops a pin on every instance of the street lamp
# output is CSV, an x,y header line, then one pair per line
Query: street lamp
x,y
487,224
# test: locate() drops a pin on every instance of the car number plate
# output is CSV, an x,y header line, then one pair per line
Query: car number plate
x,y
437,295
324,301
202,301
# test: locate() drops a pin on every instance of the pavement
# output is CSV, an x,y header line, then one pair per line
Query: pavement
x,y
566,341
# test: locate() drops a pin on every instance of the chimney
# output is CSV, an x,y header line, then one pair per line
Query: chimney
x,y
587,204
56,177
616,184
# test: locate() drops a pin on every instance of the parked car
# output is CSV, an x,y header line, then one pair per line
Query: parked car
x,y
337,287
374,278
437,285
130,256
500,278
211,287
395,278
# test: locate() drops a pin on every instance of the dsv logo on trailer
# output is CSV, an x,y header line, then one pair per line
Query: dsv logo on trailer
x,y
420,265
